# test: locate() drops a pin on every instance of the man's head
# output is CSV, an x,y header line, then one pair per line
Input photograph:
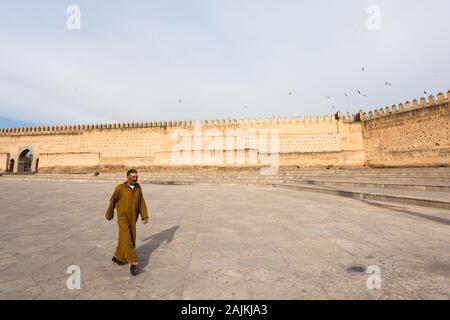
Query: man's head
x,y
132,177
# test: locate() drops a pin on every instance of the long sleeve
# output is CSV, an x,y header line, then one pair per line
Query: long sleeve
x,y
112,205
142,206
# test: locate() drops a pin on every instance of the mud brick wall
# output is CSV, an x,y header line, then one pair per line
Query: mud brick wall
x,y
414,134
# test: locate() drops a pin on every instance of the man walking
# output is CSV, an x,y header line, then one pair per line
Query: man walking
x,y
129,201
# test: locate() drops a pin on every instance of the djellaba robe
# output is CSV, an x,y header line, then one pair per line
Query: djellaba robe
x,y
129,204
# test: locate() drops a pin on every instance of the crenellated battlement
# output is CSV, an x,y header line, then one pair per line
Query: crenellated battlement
x,y
74,129
362,116
407,106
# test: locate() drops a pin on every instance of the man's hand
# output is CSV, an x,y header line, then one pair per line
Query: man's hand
x,y
145,220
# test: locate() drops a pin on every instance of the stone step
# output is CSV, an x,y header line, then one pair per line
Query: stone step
x,y
239,175
437,196
316,178
290,175
413,185
424,185
407,171
280,173
309,177
418,187
362,179
425,199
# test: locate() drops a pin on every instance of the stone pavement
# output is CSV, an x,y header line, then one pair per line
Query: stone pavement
x,y
220,242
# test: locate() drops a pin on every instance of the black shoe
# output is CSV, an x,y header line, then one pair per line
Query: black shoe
x,y
120,263
134,270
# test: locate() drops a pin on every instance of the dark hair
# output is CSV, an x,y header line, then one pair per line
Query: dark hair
x,y
131,171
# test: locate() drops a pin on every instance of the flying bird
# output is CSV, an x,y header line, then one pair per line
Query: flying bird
x,y
359,92
388,84
179,100
425,92
362,69
328,97
346,94
290,93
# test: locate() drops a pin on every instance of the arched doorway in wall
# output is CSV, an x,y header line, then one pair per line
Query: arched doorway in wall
x,y
25,160
11,165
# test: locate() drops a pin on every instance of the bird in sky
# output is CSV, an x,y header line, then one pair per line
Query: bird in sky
x,y
388,84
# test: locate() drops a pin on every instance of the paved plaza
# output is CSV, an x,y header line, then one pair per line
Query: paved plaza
x,y
221,242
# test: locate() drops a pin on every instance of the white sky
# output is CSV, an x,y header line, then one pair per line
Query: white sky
x,y
134,60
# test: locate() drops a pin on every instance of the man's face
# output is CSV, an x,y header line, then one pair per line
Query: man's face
x,y
132,178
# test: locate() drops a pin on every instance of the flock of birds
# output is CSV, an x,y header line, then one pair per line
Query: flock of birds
x,y
363,69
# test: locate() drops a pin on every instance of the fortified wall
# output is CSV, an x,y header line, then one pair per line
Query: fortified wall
x,y
410,134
